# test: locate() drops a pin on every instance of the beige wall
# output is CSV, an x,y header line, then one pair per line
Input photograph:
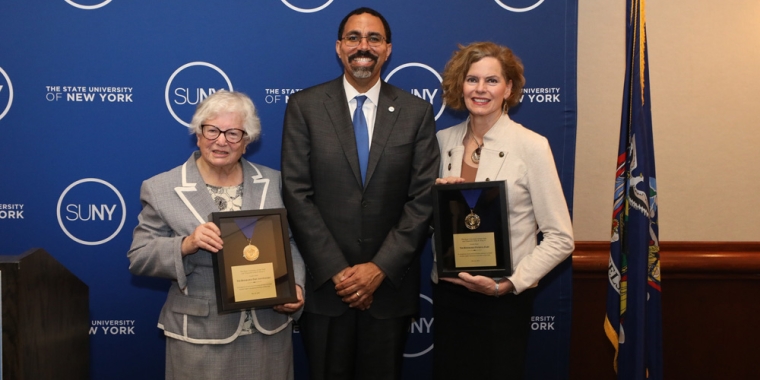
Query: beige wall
x,y
704,58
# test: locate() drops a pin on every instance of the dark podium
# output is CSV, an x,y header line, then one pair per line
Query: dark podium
x,y
45,318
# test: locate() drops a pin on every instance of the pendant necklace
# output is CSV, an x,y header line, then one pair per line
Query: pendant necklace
x,y
476,153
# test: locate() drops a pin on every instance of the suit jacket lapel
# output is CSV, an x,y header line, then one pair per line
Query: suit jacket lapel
x,y
193,191
337,108
455,150
385,120
195,196
495,151
255,187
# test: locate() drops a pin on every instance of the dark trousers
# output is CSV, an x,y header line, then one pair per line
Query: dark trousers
x,y
478,336
354,345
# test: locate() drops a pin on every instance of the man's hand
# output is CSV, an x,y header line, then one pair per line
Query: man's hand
x,y
340,276
358,284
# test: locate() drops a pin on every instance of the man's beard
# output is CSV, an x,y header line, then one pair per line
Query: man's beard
x,y
362,72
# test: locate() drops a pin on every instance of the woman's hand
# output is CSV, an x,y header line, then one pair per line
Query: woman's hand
x,y
290,308
482,284
206,236
448,180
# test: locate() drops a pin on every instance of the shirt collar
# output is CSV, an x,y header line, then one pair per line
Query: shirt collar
x,y
373,94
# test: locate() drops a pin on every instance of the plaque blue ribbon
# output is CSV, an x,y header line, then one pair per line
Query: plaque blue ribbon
x,y
471,196
246,226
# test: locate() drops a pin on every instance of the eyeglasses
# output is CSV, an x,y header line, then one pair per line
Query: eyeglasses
x,y
353,40
233,135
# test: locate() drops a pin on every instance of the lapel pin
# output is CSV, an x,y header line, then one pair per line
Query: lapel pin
x,y
391,109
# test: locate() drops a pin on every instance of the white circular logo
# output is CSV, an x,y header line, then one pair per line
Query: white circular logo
x,y
103,212
199,95
423,324
516,9
426,93
307,10
88,7
10,92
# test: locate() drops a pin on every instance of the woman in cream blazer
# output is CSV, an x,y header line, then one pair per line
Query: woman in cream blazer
x,y
482,323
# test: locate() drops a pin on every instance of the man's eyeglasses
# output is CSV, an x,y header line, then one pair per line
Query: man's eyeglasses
x,y
233,135
353,40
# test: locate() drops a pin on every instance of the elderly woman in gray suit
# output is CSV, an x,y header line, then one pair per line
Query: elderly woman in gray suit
x,y
173,240
481,323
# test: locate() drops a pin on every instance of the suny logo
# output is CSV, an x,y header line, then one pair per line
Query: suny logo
x,y
303,9
6,93
519,5
88,7
91,211
420,340
189,85
422,81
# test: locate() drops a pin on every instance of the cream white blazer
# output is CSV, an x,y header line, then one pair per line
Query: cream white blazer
x,y
523,159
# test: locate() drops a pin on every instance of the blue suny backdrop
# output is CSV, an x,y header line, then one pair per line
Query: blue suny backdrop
x,y
95,95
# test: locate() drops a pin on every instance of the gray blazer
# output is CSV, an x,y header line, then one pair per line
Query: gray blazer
x,y
174,204
336,221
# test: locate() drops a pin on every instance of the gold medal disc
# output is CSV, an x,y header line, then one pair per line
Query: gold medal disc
x,y
472,220
251,252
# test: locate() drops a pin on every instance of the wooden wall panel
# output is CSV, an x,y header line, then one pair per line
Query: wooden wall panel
x,y
709,311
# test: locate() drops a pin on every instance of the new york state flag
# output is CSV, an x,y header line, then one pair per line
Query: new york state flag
x,y
633,321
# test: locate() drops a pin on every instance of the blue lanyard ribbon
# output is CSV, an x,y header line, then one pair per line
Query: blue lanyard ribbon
x,y
246,225
471,196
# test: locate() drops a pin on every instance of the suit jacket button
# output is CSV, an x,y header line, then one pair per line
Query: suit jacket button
x,y
501,154
364,204
359,241
449,165
449,153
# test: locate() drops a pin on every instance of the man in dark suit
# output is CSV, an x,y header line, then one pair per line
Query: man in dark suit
x,y
360,228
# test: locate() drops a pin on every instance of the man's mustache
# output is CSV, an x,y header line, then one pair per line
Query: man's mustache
x,y
362,54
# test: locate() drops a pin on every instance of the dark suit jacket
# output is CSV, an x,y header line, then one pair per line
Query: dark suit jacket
x,y
338,223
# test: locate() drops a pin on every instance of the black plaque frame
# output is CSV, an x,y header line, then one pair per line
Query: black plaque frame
x,y
273,241
449,211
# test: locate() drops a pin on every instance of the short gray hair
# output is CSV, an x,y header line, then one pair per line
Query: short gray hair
x,y
224,101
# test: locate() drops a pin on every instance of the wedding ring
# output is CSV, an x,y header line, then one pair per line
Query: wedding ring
x,y
358,295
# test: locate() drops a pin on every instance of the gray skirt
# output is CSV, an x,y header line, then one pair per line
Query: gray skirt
x,y
251,357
